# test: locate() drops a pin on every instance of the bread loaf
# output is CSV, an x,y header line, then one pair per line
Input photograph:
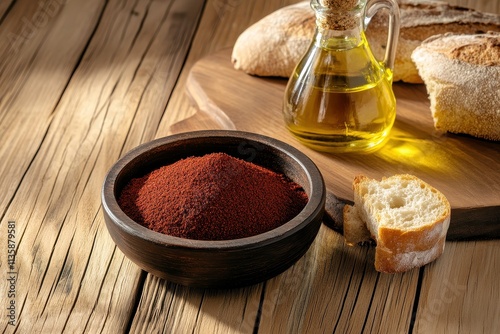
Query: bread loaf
x,y
406,217
462,77
275,44
421,20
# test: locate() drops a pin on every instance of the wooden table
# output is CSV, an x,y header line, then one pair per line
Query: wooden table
x,y
81,83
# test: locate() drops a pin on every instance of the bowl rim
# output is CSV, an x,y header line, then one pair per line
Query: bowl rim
x,y
313,207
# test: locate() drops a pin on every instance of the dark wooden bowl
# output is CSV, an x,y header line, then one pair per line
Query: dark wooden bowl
x,y
215,264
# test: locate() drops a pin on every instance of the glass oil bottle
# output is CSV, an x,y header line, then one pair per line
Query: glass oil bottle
x,y
340,98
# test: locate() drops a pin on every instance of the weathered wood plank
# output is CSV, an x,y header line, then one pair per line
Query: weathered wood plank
x,y
223,21
169,308
35,68
71,277
460,292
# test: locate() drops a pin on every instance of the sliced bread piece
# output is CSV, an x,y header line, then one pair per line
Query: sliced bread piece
x,y
407,218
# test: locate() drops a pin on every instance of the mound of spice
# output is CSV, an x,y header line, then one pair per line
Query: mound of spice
x,y
212,197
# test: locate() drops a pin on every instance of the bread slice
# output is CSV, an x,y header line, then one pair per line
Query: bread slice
x,y
407,218
275,44
462,76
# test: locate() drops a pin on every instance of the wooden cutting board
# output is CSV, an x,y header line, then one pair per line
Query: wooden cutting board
x,y
465,169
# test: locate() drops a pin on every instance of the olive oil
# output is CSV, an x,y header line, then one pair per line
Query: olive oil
x,y
340,98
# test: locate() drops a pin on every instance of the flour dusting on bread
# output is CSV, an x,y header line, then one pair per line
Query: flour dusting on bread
x,y
462,76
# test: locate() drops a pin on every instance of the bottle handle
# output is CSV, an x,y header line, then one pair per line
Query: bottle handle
x,y
372,7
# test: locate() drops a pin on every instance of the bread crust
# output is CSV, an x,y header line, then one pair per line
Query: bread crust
x,y
275,44
415,240
462,75
391,263
421,20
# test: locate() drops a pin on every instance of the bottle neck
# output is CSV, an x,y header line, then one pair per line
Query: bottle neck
x,y
339,39
338,22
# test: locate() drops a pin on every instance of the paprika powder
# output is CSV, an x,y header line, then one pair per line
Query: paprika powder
x,y
212,197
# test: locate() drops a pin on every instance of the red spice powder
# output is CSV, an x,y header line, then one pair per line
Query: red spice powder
x,y
213,197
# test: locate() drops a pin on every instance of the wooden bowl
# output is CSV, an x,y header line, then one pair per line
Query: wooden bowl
x,y
215,264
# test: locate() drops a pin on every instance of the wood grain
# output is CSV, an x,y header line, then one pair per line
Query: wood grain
x,y
90,83
335,289
81,82
460,292
168,308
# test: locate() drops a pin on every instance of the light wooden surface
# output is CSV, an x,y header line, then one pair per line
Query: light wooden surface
x,y
81,83
414,147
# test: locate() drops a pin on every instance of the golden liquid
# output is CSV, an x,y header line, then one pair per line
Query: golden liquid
x,y
352,109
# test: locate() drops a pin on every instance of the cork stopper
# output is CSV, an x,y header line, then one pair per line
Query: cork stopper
x,y
337,14
344,5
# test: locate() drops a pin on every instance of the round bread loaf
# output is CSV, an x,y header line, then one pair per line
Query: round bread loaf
x,y
421,20
276,43
462,76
